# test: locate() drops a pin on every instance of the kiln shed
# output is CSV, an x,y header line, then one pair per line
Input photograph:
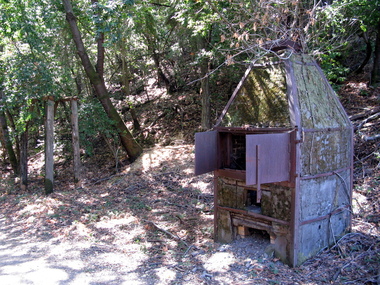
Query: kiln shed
x,y
282,157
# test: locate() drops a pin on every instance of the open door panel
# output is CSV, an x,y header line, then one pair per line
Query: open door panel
x,y
206,159
267,158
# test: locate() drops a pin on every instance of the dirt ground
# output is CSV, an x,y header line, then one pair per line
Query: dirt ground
x,y
152,221
153,224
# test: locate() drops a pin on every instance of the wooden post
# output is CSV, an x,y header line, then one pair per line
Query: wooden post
x,y
243,231
75,139
49,146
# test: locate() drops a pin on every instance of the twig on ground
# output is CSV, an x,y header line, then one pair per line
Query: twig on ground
x,y
348,263
167,232
371,138
364,114
364,158
188,249
363,122
372,117
104,179
177,205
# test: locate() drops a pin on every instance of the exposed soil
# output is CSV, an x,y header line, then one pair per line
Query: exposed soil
x,y
152,221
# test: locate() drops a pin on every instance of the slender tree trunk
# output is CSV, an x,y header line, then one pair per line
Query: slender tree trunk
x,y
75,139
205,88
7,141
205,98
132,148
24,159
161,75
12,126
368,53
24,138
375,75
126,77
7,144
2,141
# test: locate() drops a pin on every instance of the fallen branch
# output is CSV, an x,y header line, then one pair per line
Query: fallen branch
x,y
364,158
103,179
371,138
349,263
188,249
362,123
364,114
167,233
372,117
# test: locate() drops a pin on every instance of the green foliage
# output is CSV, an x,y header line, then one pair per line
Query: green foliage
x,y
333,68
28,77
37,58
93,122
339,25
365,12
30,67
107,17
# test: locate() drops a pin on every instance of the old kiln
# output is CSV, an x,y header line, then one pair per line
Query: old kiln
x,y
281,153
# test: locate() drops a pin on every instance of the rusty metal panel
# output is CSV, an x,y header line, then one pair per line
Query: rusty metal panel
x,y
267,158
206,155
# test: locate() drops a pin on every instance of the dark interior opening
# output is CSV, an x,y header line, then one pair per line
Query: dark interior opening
x,y
233,148
259,234
261,237
252,205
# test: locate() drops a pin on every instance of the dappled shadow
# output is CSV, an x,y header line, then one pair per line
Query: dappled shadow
x,y
157,214
152,224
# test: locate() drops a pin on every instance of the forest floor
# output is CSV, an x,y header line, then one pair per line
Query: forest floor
x,y
151,222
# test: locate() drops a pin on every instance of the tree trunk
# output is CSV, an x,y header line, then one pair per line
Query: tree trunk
x,y
2,142
24,138
132,148
375,74
205,98
205,88
136,124
7,141
12,126
75,139
49,147
161,75
368,53
125,77
24,159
